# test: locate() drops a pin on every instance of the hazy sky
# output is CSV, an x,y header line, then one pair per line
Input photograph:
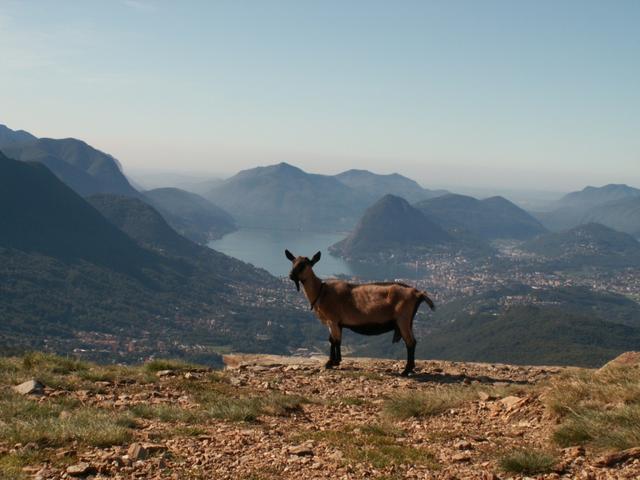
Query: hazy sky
x,y
538,94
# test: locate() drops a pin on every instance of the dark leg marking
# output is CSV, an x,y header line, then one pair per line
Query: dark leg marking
x,y
411,360
334,356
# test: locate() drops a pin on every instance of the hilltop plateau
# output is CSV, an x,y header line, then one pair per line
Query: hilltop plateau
x,y
269,417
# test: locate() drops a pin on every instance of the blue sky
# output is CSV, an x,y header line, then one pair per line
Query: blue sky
x,y
542,94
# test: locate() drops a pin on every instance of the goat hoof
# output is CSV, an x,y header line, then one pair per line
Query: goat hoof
x,y
328,365
407,373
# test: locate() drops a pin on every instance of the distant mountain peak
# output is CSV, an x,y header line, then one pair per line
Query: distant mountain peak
x,y
391,223
369,173
392,199
82,167
375,185
285,167
609,186
491,218
588,240
9,137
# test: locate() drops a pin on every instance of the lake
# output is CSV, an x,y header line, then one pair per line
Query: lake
x,y
264,248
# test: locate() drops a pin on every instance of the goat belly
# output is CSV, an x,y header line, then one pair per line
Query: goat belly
x,y
372,328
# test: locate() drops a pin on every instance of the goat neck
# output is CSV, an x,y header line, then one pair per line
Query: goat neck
x,y
312,287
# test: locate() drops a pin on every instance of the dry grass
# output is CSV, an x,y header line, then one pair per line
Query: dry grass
x,y
529,462
24,420
66,373
157,365
64,420
600,408
11,464
248,409
165,412
375,444
429,402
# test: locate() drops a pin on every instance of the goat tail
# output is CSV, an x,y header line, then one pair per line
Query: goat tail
x,y
423,297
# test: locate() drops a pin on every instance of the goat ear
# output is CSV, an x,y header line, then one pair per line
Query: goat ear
x,y
289,255
315,258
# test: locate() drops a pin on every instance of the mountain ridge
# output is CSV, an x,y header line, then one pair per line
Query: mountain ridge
x,y
190,214
378,185
611,205
84,168
490,218
284,196
390,223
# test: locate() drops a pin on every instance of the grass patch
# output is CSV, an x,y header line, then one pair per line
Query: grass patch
x,y
157,365
280,405
216,404
116,374
374,444
53,363
235,409
66,373
598,408
24,420
382,430
427,403
11,464
528,461
87,426
165,413
618,428
353,401
52,370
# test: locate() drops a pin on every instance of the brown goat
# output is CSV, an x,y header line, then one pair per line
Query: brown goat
x,y
369,309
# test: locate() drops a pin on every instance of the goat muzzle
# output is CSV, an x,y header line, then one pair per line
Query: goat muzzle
x,y
296,281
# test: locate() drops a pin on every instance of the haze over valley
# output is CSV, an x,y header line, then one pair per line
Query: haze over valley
x,y
156,260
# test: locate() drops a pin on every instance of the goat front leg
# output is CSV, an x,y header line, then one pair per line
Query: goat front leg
x,y
335,339
410,341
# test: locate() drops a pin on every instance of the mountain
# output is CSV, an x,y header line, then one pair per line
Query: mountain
x,y
191,215
564,326
391,223
491,218
41,215
10,137
150,180
592,196
284,196
82,167
376,186
72,279
142,223
589,244
621,215
148,227
595,204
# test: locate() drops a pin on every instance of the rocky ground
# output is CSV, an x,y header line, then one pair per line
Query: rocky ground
x,y
283,417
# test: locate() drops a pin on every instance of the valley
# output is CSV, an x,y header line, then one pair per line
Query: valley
x,y
94,267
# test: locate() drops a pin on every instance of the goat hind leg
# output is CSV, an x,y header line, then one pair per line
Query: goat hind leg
x,y
411,360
